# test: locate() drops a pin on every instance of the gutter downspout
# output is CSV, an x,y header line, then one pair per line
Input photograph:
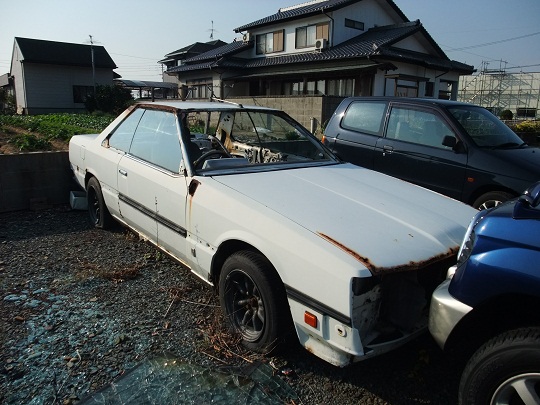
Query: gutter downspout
x,y
332,41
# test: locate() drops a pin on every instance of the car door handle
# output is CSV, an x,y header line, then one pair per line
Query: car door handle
x,y
122,172
387,149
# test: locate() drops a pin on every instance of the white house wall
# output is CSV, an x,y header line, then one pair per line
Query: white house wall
x,y
368,12
17,73
50,87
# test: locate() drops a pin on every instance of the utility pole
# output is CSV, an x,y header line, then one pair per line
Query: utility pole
x,y
93,64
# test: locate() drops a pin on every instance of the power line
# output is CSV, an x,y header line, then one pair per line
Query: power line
x,y
494,42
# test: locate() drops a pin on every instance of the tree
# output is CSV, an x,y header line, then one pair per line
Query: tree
x,y
109,99
7,102
506,115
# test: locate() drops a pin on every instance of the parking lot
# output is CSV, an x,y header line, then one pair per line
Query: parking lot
x,y
80,307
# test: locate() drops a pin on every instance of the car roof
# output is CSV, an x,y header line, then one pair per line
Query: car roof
x,y
416,100
202,105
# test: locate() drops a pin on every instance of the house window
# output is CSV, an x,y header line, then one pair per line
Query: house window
x,y
81,93
270,42
357,25
406,88
340,87
200,89
311,87
306,36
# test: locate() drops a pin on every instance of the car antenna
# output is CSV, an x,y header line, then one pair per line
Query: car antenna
x,y
214,98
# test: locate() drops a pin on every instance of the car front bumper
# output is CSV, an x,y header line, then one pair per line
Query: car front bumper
x,y
445,313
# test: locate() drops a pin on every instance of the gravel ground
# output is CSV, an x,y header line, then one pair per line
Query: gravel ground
x,y
80,307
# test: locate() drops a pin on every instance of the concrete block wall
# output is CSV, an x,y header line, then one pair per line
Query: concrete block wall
x,y
34,180
302,109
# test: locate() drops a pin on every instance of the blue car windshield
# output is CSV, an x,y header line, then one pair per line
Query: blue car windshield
x,y
484,128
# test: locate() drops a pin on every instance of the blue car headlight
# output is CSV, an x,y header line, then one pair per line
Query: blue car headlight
x,y
469,239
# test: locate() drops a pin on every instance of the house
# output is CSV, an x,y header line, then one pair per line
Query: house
x,y
325,49
49,76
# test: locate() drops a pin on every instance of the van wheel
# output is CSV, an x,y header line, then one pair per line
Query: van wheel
x,y
491,199
99,214
505,370
253,299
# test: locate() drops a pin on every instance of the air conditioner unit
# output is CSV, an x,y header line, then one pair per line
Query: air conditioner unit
x,y
246,37
321,43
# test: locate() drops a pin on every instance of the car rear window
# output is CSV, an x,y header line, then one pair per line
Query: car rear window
x,y
364,117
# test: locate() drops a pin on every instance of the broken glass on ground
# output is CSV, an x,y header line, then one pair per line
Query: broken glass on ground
x,y
169,380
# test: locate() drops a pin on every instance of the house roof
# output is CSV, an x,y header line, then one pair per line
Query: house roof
x,y
207,59
374,43
308,9
63,53
193,49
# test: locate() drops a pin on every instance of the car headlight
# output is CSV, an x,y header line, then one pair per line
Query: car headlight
x,y
468,240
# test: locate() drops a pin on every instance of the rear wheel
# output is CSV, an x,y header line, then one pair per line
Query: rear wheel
x,y
253,299
491,199
505,370
99,214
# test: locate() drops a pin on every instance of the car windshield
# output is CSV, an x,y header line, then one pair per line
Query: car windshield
x,y
240,138
485,129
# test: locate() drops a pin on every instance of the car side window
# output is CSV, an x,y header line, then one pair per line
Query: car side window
x,y
123,133
420,127
156,140
364,117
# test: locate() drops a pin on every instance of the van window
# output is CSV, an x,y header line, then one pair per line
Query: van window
x,y
365,117
420,127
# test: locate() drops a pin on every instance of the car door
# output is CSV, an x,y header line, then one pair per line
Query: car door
x,y
152,189
413,150
359,131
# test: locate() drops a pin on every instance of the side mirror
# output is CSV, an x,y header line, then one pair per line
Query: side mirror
x,y
531,196
449,141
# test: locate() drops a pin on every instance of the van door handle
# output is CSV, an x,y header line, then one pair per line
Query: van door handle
x,y
122,172
387,149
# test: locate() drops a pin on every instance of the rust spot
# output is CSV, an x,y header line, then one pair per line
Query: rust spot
x,y
193,186
394,269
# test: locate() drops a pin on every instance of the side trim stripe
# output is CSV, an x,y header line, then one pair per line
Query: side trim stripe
x,y
154,215
318,306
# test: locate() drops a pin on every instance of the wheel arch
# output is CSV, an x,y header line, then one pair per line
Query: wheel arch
x,y
489,188
225,250
493,317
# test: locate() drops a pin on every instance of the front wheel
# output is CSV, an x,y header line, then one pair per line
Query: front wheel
x,y
505,370
491,199
99,214
253,299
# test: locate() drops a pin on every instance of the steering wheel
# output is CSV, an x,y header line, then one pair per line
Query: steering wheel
x,y
200,161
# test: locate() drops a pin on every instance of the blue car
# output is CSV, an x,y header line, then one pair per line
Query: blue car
x,y
489,305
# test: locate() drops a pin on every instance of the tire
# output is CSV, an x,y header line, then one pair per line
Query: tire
x,y
253,300
505,370
99,214
491,199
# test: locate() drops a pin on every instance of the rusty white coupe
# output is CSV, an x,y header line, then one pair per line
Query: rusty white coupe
x,y
290,237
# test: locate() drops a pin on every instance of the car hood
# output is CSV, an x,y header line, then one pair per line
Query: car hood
x,y
385,223
527,159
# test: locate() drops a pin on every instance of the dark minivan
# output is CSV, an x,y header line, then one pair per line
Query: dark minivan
x,y
457,149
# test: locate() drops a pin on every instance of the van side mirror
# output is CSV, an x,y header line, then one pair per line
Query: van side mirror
x,y
531,196
449,141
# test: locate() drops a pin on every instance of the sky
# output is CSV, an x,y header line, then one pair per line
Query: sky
x,y
484,33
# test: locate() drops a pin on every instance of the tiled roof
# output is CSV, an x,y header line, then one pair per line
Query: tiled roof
x,y
213,58
376,42
63,53
307,9
197,47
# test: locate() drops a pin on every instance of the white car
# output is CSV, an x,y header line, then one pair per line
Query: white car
x,y
289,236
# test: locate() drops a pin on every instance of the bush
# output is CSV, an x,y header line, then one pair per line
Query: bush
x,y
528,126
506,115
109,99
